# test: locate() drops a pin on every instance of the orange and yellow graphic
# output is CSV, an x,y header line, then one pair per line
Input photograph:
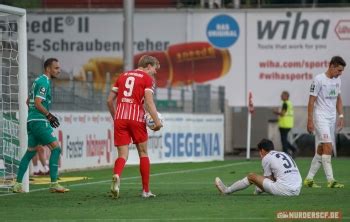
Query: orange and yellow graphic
x,y
181,64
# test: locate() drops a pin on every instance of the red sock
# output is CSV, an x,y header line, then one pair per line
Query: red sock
x,y
145,171
119,166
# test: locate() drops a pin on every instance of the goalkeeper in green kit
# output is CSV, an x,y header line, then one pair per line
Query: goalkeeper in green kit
x,y
39,126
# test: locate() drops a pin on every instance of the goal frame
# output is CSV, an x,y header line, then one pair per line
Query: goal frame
x,y
22,80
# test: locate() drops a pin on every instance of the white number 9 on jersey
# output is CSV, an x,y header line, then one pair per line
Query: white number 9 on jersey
x,y
129,86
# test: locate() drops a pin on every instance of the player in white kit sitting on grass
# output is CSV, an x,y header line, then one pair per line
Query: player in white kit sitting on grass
x,y
281,174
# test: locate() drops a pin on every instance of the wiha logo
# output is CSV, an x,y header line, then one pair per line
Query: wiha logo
x,y
293,27
342,29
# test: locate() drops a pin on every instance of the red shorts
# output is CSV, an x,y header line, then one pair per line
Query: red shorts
x,y
127,131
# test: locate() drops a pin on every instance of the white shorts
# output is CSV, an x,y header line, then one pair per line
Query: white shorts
x,y
278,189
325,131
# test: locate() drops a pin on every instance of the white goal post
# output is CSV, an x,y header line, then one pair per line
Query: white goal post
x,y
13,94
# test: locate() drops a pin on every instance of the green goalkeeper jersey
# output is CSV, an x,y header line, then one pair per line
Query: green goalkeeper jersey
x,y
41,88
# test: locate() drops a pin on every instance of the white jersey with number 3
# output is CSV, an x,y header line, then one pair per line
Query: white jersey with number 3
x,y
283,168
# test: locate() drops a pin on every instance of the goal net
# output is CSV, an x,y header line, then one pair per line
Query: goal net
x,y
13,94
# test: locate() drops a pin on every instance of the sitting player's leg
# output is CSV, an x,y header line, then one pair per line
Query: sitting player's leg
x,y
252,178
257,180
262,183
258,191
275,188
269,185
220,186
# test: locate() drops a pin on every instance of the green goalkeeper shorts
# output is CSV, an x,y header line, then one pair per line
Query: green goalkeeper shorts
x,y
40,133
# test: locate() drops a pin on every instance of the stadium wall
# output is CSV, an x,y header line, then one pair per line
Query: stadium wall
x,y
87,139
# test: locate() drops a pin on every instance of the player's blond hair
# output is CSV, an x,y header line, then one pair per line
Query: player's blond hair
x,y
146,60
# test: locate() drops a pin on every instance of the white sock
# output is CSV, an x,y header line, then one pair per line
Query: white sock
x,y
46,169
36,169
315,166
327,166
239,185
258,190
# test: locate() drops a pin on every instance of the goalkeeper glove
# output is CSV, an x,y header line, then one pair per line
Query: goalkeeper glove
x,y
53,120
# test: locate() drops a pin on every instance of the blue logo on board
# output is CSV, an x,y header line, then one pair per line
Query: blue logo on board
x,y
222,31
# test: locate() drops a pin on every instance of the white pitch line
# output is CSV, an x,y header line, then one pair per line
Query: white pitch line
x,y
183,219
169,183
136,177
193,219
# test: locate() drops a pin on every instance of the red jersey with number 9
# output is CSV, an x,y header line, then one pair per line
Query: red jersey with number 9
x,y
130,88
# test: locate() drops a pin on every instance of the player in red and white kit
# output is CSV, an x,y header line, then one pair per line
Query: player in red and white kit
x,y
131,94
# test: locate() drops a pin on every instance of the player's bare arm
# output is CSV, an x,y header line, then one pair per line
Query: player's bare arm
x,y
310,113
340,111
38,105
111,101
151,108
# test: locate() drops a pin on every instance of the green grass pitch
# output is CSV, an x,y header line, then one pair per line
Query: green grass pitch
x,y
185,192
